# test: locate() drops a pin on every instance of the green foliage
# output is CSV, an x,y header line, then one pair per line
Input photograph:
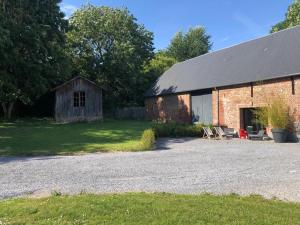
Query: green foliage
x,y
276,114
148,139
32,55
188,45
175,130
262,116
108,46
158,65
27,138
292,18
141,208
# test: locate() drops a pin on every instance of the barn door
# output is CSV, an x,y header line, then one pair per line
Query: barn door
x,y
202,108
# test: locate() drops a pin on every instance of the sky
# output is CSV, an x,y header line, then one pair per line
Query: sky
x,y
229,22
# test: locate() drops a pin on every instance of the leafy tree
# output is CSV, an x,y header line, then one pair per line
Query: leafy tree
x,y
155,68
292,18
159,64
189,45
110,47
31,50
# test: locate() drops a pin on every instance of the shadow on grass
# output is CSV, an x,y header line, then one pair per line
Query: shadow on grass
x,y
34,138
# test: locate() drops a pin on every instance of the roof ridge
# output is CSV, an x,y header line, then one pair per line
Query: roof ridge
x,y
242,43
75,78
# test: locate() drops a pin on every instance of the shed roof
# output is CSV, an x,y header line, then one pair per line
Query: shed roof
x,y
270,57
75,78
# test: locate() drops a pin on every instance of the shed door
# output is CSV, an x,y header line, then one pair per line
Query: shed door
x,y
202,108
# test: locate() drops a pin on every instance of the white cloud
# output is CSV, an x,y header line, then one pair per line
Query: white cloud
x,y
68,9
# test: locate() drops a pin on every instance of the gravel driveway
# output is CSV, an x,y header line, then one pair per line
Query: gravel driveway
x,y
179,166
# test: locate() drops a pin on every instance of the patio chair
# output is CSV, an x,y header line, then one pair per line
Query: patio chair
x,y
250,130
222,134
259,136
230,131
208,133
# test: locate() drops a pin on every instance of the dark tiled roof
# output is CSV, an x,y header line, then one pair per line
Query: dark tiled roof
x,y
274,56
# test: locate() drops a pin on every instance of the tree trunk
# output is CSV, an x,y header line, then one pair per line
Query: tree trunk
x,y
10,109
7,110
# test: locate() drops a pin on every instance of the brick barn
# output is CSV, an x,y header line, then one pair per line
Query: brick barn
x,y
223,87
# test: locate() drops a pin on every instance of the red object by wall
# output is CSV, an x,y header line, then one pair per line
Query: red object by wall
x,y
243,134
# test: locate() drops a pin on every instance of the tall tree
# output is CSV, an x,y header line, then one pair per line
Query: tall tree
x,y
31,50
159,64
292,18
189,45
109,46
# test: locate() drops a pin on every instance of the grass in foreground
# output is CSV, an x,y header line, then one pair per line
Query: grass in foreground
x,y
149,209
27,138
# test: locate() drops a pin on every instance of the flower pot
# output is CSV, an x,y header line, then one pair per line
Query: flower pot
x,y
279,135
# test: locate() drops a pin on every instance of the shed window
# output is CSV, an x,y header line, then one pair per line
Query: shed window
x,y
79,99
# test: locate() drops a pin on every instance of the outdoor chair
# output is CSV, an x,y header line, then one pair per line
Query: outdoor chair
x,y
222,134
250,130
259,136
230,131
208,133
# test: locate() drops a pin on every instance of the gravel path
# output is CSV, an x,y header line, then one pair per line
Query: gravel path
x,y
179,166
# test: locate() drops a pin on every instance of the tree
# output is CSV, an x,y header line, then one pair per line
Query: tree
x,y
108,46
156,67
159,64
292,18
189,45
31,50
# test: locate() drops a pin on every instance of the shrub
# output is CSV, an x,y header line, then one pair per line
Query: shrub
x,y
276,114
175,130
148,139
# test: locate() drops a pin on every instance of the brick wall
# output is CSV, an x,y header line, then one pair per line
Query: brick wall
x,y
169,108
232,99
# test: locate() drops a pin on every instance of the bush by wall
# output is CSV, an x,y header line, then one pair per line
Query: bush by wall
x,y
148,140
174,130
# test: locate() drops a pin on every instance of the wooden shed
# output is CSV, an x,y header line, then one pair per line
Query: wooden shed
x,y
78,99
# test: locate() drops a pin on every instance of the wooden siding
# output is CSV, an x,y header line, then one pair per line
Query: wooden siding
x,y
64,103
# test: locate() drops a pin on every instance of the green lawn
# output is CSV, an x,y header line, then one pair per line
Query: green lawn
x,y
48,138
149,209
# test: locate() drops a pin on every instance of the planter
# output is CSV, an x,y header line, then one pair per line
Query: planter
x,y
279,135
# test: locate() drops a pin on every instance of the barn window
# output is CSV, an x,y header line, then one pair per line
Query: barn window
x,y
76,99
79,99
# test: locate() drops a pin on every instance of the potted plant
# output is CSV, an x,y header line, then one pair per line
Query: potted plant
x,y
276,114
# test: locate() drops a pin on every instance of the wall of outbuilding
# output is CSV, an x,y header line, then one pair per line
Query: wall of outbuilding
x,y
64,105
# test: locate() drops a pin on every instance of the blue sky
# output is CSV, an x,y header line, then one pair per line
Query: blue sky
x,y
229,22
